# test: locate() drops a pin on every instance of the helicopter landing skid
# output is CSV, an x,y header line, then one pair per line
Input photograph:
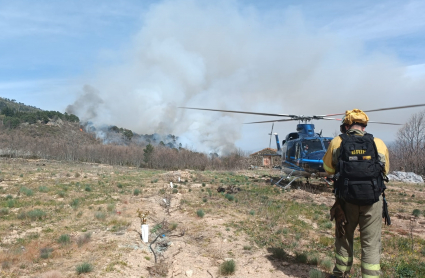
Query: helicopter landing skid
x,y
284,178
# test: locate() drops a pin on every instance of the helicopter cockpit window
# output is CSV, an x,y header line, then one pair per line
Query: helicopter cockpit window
x,y
311,146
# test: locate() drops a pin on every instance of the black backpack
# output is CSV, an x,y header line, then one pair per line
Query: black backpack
x,y
359,172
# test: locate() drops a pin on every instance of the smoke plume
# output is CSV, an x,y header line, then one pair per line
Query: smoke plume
x,y
225,55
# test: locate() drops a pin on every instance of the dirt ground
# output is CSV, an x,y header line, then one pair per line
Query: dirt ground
x,y
189,246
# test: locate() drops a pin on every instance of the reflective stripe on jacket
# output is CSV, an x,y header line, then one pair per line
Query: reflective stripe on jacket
x,y
330,160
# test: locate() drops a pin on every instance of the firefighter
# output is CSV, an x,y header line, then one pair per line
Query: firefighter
x,y
359,163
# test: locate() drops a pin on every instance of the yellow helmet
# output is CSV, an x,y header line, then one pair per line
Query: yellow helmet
x,y
355,116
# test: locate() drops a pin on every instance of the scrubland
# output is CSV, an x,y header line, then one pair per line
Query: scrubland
x,y
70,219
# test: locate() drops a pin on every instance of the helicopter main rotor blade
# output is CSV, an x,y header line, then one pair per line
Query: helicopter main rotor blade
x,y
373,122
286,120
383,109
240,112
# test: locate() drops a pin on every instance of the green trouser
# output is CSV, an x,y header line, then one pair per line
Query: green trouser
x,y
369,219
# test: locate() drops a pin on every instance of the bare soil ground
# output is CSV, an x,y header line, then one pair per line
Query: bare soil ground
x,y
81,220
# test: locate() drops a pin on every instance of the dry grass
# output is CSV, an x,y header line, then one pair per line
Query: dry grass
x,y
100,221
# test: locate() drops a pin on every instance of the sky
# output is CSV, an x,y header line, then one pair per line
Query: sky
x,y
133,63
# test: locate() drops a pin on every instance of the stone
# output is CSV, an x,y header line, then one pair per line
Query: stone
x,y
189,273
409,177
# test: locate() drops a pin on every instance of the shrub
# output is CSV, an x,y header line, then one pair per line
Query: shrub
x,y
36,214
314,273
404,270
228,267
100,215
4,211
200,213
62,194
173,226
203,184
327,264
43,189
313,259
301,257
204,199
88,188
278,253
75,203
45,253
110,207
5,265
136,192
252,212
229,197
83,239
64,239
84,268
328,225
416,212
28,192
175,190
9,197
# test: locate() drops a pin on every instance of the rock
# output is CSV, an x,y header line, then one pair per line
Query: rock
x,y
405,177
189,273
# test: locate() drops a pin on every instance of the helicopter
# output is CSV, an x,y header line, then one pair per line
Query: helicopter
x,y
302,151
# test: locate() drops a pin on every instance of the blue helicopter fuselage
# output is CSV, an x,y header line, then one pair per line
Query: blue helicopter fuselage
x,y
304,150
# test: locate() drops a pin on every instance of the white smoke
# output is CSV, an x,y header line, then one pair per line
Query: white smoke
x,y
223,55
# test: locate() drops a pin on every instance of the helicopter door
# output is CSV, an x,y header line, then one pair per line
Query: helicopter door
x,y
297,151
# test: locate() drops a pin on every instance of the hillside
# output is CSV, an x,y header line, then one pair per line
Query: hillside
x,y
17,106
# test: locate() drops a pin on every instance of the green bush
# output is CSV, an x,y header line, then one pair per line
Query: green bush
x,y
327,264
175,190
64,239
28,192
43,189
252,212
75,203
200,213
279,253
229,197
416,212
404,270
314,273
88,188
228,267
84,268
136,192
313,259
301,258
36,214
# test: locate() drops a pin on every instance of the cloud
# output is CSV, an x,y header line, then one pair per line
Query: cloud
x,y
227,55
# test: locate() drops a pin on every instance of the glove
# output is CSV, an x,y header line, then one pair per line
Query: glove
x,y
340,221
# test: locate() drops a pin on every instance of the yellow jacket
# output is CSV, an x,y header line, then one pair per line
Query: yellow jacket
x,y
330,160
